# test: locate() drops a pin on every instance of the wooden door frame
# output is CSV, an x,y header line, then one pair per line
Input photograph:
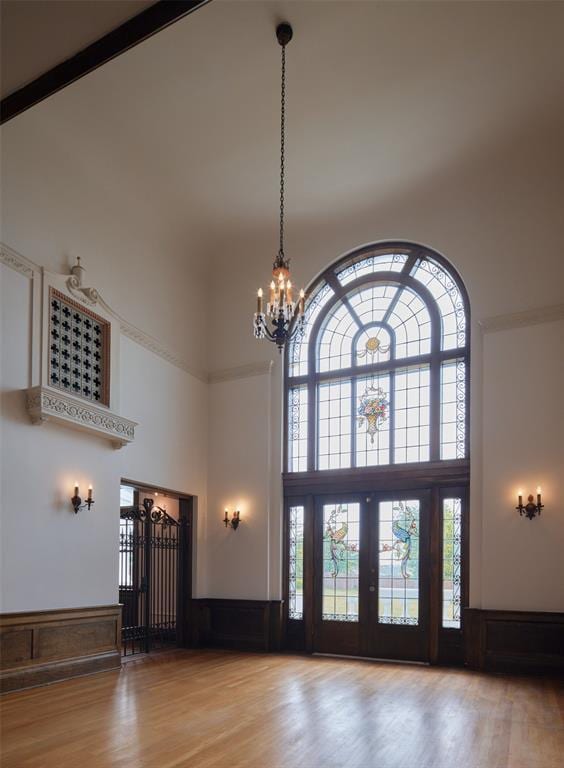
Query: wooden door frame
x,y
445,644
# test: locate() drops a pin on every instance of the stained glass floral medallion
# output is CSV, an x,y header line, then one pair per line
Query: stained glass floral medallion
x,y
372,347
373,409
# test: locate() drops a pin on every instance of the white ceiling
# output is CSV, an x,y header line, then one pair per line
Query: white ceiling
x,y
381,95
39,34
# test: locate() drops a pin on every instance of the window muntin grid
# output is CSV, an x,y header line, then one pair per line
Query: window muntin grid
x,y
411,322
398,562
335,340
296,563
297,428
404,322
334,424
412,414
372,302
452,559
341,546
298,347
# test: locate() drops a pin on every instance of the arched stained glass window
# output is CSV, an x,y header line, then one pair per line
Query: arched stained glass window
x,y
380,374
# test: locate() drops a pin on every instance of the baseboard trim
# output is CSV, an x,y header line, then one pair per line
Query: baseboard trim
x,y
41,647
58,671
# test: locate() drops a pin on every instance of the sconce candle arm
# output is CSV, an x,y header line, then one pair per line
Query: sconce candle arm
x,y
530,509
234,521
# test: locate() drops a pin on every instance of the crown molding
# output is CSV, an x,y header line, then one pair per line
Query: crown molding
x,y
44,404
19,263
153,345
30,269
523,319
241,372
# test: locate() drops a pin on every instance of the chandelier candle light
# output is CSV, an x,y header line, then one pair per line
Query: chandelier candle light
x,y
280,307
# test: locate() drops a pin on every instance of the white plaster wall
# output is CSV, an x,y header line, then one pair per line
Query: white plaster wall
x,y
50,557
240,454
523,415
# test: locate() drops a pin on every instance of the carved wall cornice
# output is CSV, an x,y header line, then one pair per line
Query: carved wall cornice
x,y
44,404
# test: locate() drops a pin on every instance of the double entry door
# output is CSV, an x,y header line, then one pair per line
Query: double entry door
x,y
371,575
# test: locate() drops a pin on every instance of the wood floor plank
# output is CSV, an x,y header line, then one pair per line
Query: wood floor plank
x,y
214,709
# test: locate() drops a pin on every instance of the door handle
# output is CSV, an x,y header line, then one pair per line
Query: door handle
x,y
372,588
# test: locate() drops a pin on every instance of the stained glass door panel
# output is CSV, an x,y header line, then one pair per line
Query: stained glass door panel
x,y
340,529
398,590
398,562
341,546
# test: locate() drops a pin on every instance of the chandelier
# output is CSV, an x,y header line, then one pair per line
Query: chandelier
x,y
275,324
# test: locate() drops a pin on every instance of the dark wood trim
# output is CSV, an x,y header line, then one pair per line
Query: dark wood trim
x,y
244,625
132,32
390,476
187,508
39,647
514,641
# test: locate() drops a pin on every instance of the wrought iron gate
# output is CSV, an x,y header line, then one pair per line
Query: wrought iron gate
x,y
152,548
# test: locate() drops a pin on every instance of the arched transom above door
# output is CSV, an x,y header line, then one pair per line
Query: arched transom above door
x,y
380,374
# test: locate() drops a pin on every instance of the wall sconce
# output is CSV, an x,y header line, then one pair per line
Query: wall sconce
x,y
530,509
76,501
234,522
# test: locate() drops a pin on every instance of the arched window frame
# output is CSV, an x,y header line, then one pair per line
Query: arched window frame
x,y
414,255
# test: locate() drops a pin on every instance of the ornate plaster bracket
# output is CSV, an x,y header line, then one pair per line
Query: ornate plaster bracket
x,y
47,405
88,296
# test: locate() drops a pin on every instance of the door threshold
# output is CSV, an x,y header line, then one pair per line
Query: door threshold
x,y
372,658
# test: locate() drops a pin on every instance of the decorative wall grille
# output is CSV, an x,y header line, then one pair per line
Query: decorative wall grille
x,y
79,342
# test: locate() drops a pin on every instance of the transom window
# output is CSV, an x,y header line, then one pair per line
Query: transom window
x,y
379,375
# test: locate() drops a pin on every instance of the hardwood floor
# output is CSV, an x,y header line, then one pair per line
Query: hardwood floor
x,y
213,709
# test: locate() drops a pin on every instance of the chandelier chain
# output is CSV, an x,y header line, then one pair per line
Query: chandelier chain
x,y
282,147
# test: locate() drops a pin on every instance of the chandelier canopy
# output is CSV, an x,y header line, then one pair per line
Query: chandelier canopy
x,y
276,323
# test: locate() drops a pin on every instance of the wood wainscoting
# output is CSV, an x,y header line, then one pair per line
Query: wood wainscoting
x,y
40,647
243,625
514,641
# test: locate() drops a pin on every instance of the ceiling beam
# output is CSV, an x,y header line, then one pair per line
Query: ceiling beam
x,y
145,24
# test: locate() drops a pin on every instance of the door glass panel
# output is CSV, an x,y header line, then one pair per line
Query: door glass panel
x,y
296,564
341,542
452,523
398,562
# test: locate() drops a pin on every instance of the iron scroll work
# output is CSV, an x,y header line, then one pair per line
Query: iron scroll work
x,y
152,564
148,512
